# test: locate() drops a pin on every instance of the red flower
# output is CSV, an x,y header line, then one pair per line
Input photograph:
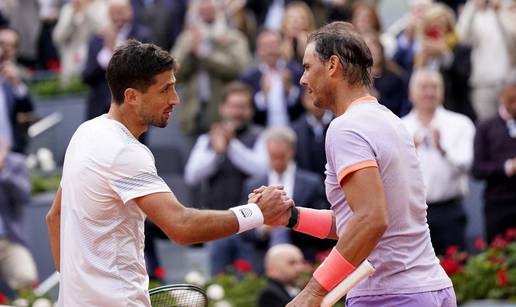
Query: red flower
x,y
511,234
495,259
499,242
242,265
452,250
3,298
320,256
53,65
450,266
480,244
160,272
502,278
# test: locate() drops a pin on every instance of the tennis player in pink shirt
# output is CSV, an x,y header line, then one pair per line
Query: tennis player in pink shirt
x,y
374,185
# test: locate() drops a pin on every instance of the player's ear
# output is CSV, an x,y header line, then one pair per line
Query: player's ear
x,y
332,64
131,95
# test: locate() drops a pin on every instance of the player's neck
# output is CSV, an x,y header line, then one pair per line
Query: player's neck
x,y
126,118
345,95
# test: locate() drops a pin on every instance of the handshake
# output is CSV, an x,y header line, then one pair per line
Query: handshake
x,y
274,204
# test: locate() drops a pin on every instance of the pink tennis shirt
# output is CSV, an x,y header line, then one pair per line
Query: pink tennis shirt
x,y
369,135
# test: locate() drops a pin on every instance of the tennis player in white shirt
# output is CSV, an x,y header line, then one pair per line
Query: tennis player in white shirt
x,y
110,185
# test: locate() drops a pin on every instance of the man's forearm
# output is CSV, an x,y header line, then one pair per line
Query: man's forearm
x,y
196,226
54,228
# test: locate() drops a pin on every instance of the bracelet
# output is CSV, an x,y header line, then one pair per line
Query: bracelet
x,y
294,214
249,216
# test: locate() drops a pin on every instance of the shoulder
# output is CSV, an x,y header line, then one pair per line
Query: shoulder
x,y
457,119
489,123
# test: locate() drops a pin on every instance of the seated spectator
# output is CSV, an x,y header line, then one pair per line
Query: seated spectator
x,y
16,263
275,83
283,267
304,187
444,143
210,55
221,160
495,162
78,21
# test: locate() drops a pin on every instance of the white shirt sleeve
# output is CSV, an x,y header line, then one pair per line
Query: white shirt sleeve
x,y
202,162
252,161
134,174
459,152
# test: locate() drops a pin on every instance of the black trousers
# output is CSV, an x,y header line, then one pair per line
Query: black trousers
x,y
447,222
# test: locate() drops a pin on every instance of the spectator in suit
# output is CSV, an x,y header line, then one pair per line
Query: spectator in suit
x,y
16,262
310,129
221,160
444,143
165,19
210,54
275,83
304,187
15,101
283,265
100,49
495,162
78,21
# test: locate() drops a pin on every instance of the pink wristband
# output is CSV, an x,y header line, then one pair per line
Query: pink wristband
x,y
314,222
333,270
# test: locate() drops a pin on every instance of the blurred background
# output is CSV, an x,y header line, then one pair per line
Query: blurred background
x,y
447,68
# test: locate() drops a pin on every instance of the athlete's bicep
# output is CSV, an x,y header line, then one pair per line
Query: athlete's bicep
x,y
364,193
163,209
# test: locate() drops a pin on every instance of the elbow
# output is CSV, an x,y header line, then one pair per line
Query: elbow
x,y
52,218
375,224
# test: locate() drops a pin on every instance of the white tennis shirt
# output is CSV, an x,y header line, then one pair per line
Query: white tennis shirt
x,y
102,233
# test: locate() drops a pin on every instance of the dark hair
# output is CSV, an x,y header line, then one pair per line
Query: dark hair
x,y
134,65
236,87
341,39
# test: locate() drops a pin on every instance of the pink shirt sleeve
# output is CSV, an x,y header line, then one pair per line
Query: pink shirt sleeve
x,y
349,152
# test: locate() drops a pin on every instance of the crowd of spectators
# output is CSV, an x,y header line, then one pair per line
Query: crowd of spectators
x,y
447,68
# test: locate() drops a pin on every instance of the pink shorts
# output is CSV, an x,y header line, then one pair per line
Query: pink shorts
x,y
439,298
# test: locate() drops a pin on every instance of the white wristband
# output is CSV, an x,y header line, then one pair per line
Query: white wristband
x,y
249,216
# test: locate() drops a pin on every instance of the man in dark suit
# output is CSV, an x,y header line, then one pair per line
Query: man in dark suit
x,y
304,187
495,162
284,265
121,27
275,83
165,19
311,130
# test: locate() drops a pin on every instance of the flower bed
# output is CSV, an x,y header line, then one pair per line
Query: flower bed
x,y
491,274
